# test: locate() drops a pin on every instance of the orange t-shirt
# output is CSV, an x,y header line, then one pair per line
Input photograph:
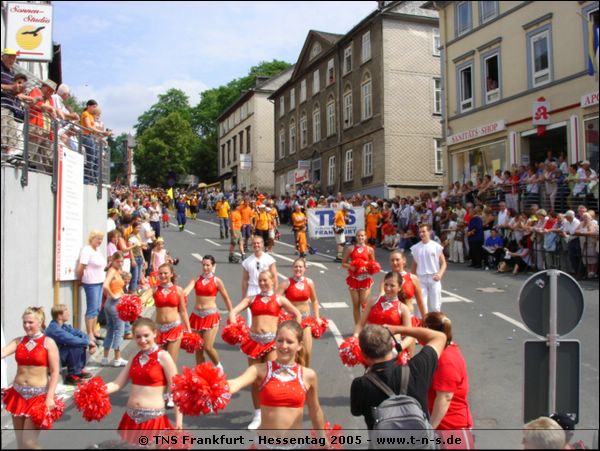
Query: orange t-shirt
x,y
246,213
262,221
340,219
373,219
298,220
87,121
236,220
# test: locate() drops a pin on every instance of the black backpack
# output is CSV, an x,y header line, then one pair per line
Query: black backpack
x,y
400,422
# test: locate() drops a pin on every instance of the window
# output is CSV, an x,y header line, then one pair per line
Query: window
x,y
463,18
303,91
591,140
292,137
491,67
234,139
367,108
228,152
241,134
437,96
330,116
331,172
281,106
487,11
348,59
436,42
539,58
366,47
330,72
349,167
222,156
316,49
316,124
590,33
292,98
248,140
316,82
438,157
367,160
303,131
347,107
465,79
281,143
282,180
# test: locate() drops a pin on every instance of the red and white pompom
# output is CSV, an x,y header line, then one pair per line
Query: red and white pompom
x,y
330,432
284,315
317,328
41,417
191,342
235,333
129,307
200,390
360,266
350,352
92,400
373,267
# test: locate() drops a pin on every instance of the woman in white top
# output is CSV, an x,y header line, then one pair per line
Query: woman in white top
x,y
90,271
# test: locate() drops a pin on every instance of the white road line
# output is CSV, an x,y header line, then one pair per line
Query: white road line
x,y
197,257
190,232
289,259
515,323
212,242
336,333
334,305
454,295
451,299
208,222
282,257
282,276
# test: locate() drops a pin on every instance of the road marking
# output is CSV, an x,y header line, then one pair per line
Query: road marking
x,y
334,305
282,257
515,323
209,222
188,231
212,242
454,295
451,299
336,333
289,259
197,257
282,276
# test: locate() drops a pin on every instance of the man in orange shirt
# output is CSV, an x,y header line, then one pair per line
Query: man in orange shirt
x,y
299,222
262,221
235,221
222,208
372,222
339,225
246,211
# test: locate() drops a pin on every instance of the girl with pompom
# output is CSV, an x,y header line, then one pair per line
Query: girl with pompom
x,y
284,384
31,396
151,372
356,260
171,311
205,318
260,347
300,290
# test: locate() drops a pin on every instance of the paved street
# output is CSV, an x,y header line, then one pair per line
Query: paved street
x,y
486,325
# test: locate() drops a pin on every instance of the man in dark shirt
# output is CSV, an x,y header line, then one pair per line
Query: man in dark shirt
x,y
377,347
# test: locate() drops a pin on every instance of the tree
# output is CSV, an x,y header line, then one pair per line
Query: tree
x,y
164,146
173,101
118,158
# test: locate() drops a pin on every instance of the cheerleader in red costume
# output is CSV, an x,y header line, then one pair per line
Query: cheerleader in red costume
x,y
205,318
37,376
284,384
171,311
356,259
300,290
260,347
387,309
150,372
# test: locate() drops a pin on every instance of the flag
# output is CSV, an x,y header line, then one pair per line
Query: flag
x,y
170,193
592,47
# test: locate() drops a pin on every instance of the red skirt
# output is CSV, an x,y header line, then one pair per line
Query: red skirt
x,y
173,334
256,350
206,323
16,404
356,284
131,432
415,322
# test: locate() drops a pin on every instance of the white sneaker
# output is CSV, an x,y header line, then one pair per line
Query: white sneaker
x,y
118,363
104,361
255,423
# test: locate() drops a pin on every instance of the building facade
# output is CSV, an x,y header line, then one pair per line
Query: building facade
x,y
246,137
516,84
359,113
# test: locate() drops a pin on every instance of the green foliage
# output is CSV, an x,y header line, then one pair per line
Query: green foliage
x,y
118,157
75,105
173,101
165,146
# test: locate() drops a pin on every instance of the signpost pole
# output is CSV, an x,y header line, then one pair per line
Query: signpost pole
x,y
552,340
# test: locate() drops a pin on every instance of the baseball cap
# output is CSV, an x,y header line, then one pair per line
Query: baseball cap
x,y
51,84
564,420
9,51
374,204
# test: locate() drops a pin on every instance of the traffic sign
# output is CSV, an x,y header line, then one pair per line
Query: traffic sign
x,y
537,369
534,303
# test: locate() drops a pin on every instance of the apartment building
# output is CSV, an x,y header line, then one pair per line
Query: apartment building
x,y
517,83
361,111
246,137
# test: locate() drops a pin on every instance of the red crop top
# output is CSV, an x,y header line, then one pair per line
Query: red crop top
x,y
385,312
274,392
408,287
166,297
298,291
359,253
149,374
29,355
206,286
265,305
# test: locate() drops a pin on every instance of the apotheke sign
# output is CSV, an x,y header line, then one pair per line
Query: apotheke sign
x,y
476,132
589,99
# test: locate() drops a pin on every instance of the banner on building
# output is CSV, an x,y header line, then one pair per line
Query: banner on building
x,y
29,30
320,222
301,176
245,161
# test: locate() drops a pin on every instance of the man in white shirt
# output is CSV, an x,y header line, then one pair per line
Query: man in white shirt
x,y
568,229
503,219
429,265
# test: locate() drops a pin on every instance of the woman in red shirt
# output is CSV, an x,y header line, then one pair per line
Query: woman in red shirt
x,y
449,390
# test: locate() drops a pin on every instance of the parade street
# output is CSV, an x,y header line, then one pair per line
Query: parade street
x,y
482,306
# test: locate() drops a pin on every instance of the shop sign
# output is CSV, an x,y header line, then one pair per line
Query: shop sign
x,y
541,112
29,30
589,99
476,132
301,176
303,164
245,161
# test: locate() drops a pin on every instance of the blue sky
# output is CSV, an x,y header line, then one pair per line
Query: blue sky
x,y
124,54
